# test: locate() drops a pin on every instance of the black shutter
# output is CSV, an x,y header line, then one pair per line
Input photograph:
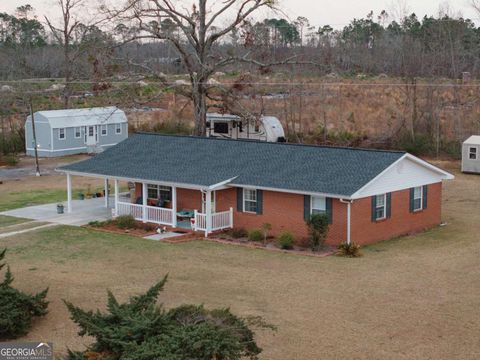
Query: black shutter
x,y
328,205
412,195
425,197
259,202
306,207
374,208
240,199
389,205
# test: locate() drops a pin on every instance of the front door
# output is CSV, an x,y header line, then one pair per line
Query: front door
x,y
91,135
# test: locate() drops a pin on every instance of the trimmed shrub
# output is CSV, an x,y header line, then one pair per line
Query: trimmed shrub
x,y
317,229
351,250
16,308
126,222
285,240
255,235
238,233
141,329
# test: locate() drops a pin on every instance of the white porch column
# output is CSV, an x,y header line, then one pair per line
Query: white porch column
x,y
69,193
208,212
144,202
106,192
231,218
116,197
174,206
349,213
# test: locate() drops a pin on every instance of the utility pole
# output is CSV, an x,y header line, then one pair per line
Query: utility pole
x,y
37,167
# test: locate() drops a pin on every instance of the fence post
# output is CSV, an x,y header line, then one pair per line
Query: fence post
x,y
231,218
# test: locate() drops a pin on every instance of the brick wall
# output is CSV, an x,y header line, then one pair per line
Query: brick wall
x,y
284,212
402,222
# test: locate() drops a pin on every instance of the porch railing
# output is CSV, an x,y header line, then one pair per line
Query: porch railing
x,y
153,214
220,220
130,209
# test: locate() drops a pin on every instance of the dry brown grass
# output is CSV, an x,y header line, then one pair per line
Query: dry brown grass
x,y
411,298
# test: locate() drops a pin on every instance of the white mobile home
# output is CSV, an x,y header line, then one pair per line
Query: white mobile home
x,y
75,131
267,128
471,155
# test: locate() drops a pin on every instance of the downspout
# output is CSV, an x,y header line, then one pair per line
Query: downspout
x,y
349,217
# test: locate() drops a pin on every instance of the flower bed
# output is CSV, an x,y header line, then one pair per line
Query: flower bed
x,y
139,229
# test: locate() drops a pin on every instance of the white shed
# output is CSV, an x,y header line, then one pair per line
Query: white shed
x,y
74,131
471,155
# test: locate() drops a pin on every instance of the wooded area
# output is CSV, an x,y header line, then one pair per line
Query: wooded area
x,y
413,78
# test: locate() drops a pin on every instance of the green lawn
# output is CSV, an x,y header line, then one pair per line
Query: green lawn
x,y
10,220
415,297
14,200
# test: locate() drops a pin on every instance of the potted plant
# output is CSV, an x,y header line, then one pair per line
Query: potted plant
x,y
89,194
81,196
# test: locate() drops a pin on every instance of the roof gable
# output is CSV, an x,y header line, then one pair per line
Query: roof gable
x,y
409,171
337,172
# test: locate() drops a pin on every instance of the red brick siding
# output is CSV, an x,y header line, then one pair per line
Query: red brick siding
x,y
402,222
284,212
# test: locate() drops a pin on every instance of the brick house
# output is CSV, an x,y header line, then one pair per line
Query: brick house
x,y
215,184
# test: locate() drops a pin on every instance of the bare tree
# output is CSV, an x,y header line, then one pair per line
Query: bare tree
x,y
200,37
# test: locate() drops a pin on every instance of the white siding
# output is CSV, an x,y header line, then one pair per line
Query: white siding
x,y
404,174
471,165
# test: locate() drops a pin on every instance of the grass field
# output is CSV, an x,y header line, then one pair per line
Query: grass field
x,y
410,298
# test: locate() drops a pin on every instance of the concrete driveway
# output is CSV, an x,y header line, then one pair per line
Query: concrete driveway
x,y
83,211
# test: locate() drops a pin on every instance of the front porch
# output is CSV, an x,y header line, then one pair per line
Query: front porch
x,y
169,205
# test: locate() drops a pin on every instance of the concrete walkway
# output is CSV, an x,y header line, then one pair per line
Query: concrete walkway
x,y
83,211
12,233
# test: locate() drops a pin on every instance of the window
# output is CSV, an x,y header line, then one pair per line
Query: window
x,y
78,133
159,192
220,128
103,130
250,200
61,134
418,198
118,128
91,131
473,153
319,205
380,207
204,201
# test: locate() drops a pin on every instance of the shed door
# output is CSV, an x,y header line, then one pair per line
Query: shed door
x,y
91,135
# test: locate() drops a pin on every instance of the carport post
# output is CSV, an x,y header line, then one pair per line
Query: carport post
x,y
69,193
116,197
106,192
144,202
174,206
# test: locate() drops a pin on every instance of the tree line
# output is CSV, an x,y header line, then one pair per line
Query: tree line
x,y
442,46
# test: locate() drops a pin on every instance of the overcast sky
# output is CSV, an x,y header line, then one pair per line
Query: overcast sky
x,y
320,12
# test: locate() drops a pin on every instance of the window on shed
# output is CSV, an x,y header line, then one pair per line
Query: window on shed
x,y
380,208
473,153
319,205
220,127
61,133
418,198
78,133
118,128
250,200
103,130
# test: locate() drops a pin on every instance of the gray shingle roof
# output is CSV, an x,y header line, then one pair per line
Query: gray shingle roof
x,y
207,161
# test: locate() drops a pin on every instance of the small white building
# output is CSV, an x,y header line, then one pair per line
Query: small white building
x,y
75,131
471,155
